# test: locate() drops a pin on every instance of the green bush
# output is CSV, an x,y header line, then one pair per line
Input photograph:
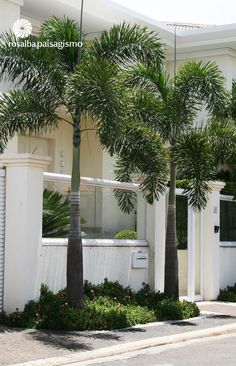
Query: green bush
x,y
3,318
146,297
170,309
126,235
107,306
113,290
228,294
104,313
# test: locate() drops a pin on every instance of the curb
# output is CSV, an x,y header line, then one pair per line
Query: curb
x,y
130,347
218,303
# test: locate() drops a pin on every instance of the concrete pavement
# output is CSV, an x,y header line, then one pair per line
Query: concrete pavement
x,y
84,346
210,351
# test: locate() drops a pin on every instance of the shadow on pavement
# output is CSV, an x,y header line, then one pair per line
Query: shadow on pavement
x,y
184,324
60,340
11,330
221,316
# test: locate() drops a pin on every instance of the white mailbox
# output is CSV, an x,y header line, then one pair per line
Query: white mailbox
x,y
139,260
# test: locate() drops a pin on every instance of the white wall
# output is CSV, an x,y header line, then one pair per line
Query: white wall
x,y
23,228
227,266
102,258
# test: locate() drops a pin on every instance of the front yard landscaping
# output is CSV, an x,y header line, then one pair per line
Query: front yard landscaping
x,y
107,306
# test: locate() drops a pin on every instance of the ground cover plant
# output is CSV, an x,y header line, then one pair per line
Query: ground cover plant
x,y
107,306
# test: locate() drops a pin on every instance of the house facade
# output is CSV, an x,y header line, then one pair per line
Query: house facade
x,y
208,43
199,278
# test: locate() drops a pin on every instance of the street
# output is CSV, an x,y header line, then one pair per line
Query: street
x,y
212,351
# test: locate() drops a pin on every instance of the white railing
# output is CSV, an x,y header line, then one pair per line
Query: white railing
x,y
226,197
95,182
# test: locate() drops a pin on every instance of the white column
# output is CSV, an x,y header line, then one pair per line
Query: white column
x,y
191,252
211,262
155,235
141,216
23,228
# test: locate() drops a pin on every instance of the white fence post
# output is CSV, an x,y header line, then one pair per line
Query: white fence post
x,y
155,235
211,263
191,253
141,216
23,228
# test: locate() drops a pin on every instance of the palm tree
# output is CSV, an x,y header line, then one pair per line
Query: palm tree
x,y
169,107
48,79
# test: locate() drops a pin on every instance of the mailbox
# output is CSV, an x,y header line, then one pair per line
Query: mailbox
x,y
139,260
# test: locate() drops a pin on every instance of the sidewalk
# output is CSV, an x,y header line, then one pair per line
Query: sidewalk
x,y
19,346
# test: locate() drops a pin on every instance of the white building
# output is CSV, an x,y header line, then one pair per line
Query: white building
x,y
216,43
207,43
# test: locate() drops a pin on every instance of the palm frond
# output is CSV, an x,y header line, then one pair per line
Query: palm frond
x,y
194,159
23,110
96,90
151,111
142,152
29,67
62,30
222,135
150,79
201,83
125,43
56,215
123,173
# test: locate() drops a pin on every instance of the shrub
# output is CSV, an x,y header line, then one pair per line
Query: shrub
x,y
228,294
113,290
170,309
107,306
146,297
3,318
126,235
104,313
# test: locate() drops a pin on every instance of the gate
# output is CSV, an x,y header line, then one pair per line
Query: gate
x,y
2,234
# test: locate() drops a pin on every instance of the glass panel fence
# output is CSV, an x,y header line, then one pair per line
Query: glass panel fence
x,y
101,217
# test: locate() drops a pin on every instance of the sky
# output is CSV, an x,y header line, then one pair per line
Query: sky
x,y
197,11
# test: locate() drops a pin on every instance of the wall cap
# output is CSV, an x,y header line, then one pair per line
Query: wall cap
x,y
216,186
16,2
96,242
24,160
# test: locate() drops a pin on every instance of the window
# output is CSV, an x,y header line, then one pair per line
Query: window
x,y
227,220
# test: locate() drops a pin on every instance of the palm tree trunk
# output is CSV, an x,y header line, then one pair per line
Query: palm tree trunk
x,y
75,252
171,260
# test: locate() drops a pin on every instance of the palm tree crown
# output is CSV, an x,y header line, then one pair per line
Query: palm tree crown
x,y
47,79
